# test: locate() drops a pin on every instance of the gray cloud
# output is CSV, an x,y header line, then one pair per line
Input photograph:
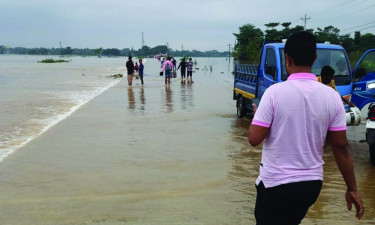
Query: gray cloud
x,y
197,24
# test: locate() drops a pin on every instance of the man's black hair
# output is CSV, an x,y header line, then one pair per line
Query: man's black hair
x,y
130,57
301,47
327,71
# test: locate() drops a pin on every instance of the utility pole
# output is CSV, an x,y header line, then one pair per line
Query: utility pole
x,y
167,48
60,48
182,50
229,51
305,19
143,40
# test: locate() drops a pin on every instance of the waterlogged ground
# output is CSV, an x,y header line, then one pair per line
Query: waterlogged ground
x,y
158,155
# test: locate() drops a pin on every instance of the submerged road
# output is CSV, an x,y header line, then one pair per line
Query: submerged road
x,y
159,155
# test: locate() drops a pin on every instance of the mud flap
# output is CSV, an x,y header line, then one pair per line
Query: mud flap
x,y
370,136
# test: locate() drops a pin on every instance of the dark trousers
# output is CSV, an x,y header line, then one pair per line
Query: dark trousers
x,y
141,76
285,204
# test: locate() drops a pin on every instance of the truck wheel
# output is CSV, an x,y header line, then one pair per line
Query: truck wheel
x,y
241,107
372,154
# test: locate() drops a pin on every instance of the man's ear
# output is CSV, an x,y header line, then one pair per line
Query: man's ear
x,y
288,60
316,56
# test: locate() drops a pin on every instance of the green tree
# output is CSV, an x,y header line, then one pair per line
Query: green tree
x,y
271,32
66,51
111,52
367,41
357,38
2,49
347,42
144,51
98,51
249,42
329,33
285,32
159,49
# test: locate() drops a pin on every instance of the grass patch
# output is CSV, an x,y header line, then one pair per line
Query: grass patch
x,y
53,61
115,76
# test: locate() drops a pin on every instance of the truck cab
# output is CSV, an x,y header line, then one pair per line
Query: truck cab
x,y
364,80
251,81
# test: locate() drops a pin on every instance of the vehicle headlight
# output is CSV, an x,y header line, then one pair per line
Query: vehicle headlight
x,y
371,85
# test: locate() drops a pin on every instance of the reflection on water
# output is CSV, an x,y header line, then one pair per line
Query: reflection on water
x,y
168,99
142,98
131,98
245,166
187,95
331,205
136,99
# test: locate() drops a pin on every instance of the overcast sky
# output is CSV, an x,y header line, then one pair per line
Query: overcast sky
x,y
195,24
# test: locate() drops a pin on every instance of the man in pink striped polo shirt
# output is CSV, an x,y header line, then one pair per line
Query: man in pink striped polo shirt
x,y
293,119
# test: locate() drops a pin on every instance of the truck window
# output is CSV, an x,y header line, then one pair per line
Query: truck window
x,y
326,57
270,64
366,66
284,74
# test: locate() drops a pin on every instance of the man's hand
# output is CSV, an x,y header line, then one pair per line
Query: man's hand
x,y
340,148
352,197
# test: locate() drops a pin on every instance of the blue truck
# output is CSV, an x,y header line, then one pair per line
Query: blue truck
x,y
358,86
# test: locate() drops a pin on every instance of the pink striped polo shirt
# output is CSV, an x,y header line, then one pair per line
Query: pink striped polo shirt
x,y
299,112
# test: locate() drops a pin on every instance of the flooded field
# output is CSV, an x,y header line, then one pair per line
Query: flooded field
x,y
159,155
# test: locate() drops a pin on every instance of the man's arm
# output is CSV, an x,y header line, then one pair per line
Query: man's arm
x,y
257,133
351,104
340,148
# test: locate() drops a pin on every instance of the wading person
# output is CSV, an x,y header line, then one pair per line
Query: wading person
x,y
130,68
190,70
167,68
183,69
136,67
326,77
141,67
293,119
174,61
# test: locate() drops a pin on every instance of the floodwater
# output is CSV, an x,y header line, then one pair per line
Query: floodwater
x,y
144,155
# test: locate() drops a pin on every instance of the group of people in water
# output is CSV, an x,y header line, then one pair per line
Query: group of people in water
x,y
169,67
168,70
131,68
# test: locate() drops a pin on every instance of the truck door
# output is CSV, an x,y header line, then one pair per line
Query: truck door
x,y
268,71
364,80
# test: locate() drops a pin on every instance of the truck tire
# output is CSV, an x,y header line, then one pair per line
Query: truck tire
x,y
372,154
241,107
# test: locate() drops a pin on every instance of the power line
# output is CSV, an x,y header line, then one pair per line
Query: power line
x,y
343,4
324,10
367,7
362,29
333,10
356,10
358,26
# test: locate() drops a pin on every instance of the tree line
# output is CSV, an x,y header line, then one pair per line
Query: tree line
x,y
249,39
145,51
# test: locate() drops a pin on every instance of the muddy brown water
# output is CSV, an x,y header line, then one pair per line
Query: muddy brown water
x,y
159,155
